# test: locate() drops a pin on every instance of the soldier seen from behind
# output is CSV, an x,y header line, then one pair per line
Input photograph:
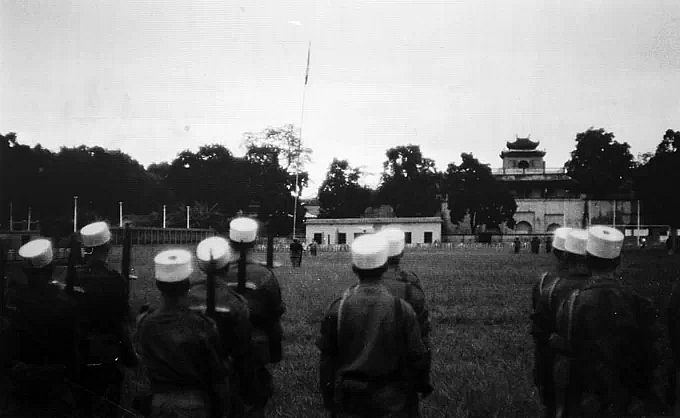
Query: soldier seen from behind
x,y
673,321
570,272
535,245
180,348
232,315
610,342
296,250
373,361
259,286
102,298
42,350
407,286
517,244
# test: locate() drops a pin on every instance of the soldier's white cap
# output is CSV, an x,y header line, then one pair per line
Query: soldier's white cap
x,y
604,241
576,242
220,250
95,234
560,237
38,253
395,240
173,266
369,251
243,230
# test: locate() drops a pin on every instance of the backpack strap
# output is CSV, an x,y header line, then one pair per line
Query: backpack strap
x,y
399,319
570,315
551,289
345,295
542,281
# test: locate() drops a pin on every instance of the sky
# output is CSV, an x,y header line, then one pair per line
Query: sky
x,y
154,78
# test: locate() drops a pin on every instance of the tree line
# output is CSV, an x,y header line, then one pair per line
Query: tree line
x,y
216,185
601,167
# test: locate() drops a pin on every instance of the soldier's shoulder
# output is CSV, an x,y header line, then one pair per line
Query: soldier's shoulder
x,y
409,277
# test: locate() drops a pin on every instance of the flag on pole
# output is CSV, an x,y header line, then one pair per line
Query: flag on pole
x,y
309,50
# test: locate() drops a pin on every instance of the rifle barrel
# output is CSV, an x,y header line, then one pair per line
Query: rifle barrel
x,y
2,280
242,270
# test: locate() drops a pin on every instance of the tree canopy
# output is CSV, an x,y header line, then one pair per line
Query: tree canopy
x,y
341,195
410,182
656,182
472,190
600,164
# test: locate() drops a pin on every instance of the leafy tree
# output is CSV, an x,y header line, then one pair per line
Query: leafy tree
x,y
286,140
410,182
474,191
670,142
600,164
340,194
655,183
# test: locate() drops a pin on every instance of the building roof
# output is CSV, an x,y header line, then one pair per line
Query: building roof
x,y
522,144
365,221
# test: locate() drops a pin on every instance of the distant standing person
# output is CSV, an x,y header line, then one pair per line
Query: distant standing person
x,y
517,244
296,253
312,248
535,245
548,244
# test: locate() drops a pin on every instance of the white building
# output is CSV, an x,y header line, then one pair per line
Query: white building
x,y
343,231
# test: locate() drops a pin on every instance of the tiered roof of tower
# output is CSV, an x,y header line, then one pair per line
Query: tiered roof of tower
x,y
522,144
524,147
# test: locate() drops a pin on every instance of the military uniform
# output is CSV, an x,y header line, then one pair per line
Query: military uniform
x,y
546,296
406,285
182,354
609,342
233,322
613,349
372,346
104,312
181,348
42,348
373,360
266,306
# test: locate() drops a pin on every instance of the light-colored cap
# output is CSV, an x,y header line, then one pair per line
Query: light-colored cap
x,y
604,241
243,230
395,240
95,234
369,251
220,250
173,266
560,237
576,242
38,253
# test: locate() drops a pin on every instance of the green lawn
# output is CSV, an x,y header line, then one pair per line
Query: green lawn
x,y
479,301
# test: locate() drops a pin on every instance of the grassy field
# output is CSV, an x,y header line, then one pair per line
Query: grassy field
x,y
479,301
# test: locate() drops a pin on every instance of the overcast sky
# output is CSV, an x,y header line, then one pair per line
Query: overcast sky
x,y
153,78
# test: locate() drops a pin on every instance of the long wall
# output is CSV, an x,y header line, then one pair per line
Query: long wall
x,y
330,232
543,215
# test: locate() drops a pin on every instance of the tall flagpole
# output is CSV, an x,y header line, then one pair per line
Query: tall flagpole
x,y
297,163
